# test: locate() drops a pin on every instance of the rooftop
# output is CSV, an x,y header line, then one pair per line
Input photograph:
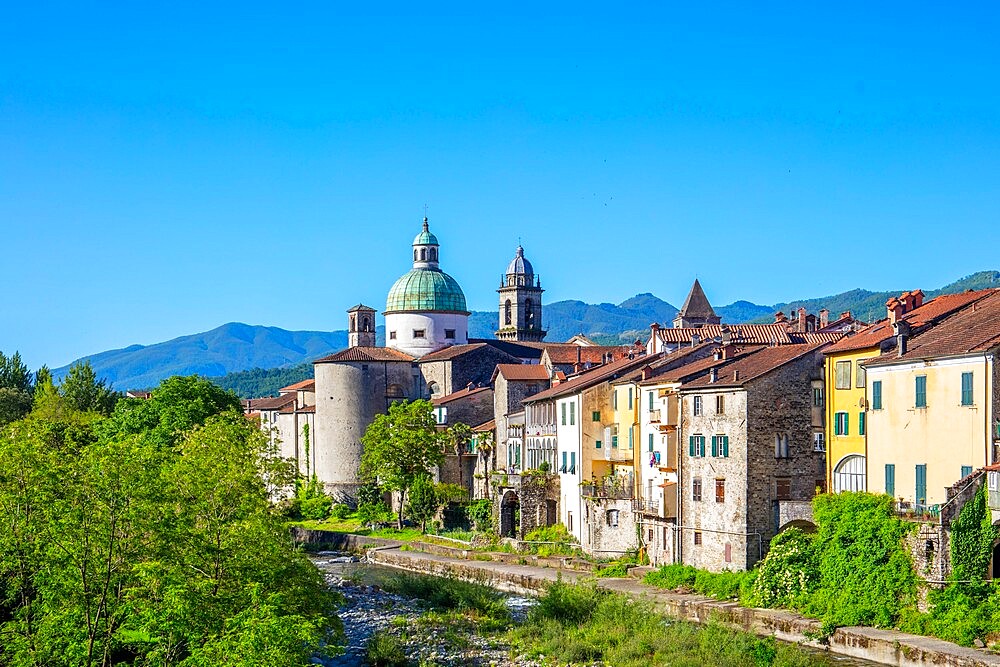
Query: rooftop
x,y
535,372
744,368
366,354
305,385
461,393
592,377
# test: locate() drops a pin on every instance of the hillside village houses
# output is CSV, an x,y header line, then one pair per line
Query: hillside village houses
x,y
696,446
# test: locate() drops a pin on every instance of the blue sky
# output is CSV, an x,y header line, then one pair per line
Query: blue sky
x,y
165,169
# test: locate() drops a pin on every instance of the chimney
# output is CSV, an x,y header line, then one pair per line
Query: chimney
x,y
801,328
727,334
779,317
695,340
901,330
824,318
713,375
908,300
846,314
918,298
736,376
894,310
578,355
471,386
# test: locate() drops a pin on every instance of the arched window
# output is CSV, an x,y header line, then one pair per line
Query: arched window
x,y
434,389
423,254
366,325
433,254
529,314
506,313
353,327
414,254
849,475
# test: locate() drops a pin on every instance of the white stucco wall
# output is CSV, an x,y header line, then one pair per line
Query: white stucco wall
x,y
433,325
568,443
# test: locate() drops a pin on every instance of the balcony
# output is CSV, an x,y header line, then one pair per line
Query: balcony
x,y
651,507
918,512
654,416
618,454
614,488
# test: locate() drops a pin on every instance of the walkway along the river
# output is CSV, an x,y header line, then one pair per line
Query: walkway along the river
x,y
887,647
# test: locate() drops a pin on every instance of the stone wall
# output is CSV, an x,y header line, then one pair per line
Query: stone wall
x,y
657,536
609,527
473,410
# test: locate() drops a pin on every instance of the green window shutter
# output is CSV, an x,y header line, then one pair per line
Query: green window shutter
x,y
563,462
598,444
650,401
966,471
563,414
847,423
595,416
691,445
650,442
920,398
861,423
614,442
725,446
890,479
921,484
966,388
630,398
701,445
572,462
572,414
715,445
877,395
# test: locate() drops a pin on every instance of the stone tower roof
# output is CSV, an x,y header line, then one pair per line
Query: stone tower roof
x,y
696,306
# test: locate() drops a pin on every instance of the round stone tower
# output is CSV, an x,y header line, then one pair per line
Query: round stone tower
x,y
425,310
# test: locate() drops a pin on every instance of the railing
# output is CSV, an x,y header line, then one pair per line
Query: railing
x,y
614,490
618,454
654,416
918,511
646,506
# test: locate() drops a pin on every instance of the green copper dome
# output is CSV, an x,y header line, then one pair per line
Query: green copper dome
x,y
426,290
425,237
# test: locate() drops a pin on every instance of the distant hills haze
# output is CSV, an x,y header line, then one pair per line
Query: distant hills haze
x,y
237,347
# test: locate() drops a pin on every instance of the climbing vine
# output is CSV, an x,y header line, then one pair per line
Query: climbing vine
x,y
972,538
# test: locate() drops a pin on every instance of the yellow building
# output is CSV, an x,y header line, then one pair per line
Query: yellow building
x,y
933,405
847,397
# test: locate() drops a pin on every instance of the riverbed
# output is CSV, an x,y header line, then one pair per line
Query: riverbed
x,y
369,609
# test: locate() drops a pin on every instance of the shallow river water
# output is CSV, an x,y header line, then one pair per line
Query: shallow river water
x,y
369,609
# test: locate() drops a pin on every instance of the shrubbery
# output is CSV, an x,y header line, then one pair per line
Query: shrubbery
x,y
788,574
723,585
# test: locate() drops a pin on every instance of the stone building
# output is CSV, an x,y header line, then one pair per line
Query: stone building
x,y
289,422
696,311
512,383
748,457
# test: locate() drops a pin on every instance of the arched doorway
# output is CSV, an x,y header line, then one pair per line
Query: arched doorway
x,y
849,475
509,510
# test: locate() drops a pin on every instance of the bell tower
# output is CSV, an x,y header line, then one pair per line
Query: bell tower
x,y
361,326
520,302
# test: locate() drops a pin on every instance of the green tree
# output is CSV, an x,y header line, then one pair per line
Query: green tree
x,y
16,388
83,391
459,437
400,447
424,502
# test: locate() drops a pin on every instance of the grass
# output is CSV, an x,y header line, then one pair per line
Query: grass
x,y
723,585
481,604
581,624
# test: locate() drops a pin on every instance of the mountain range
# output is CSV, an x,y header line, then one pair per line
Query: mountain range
x,y
235,347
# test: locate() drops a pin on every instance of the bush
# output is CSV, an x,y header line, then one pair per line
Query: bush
x,y
789,572
340,511
723,585
566,604
370,514
480,513
385,650
315,509
451,595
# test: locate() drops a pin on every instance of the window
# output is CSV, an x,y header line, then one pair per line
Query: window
x,y
817,397
631,444
840,424
449,334
966,388
572,463
819,442
650,401
720,405
650,442
597,444
696,445
506,313
419,333
920,391
783,488
861,423
595,416
921,474
563,414
720,445
392,335
781,446
890,479
720,490
572,414
630,398
563,468
697,538
859,377
697,406
696,488
613,518
614,399
842,371
966,471
877,395
849,475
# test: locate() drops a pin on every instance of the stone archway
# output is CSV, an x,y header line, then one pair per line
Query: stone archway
x,y
802,524
509,506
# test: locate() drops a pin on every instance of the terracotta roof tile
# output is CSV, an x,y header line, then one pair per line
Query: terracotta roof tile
x,y
305,385
745,368
366,354
461,393
522,372
747,334
486,426
593,354
452,352
931,311
270,403
592,377
975,328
